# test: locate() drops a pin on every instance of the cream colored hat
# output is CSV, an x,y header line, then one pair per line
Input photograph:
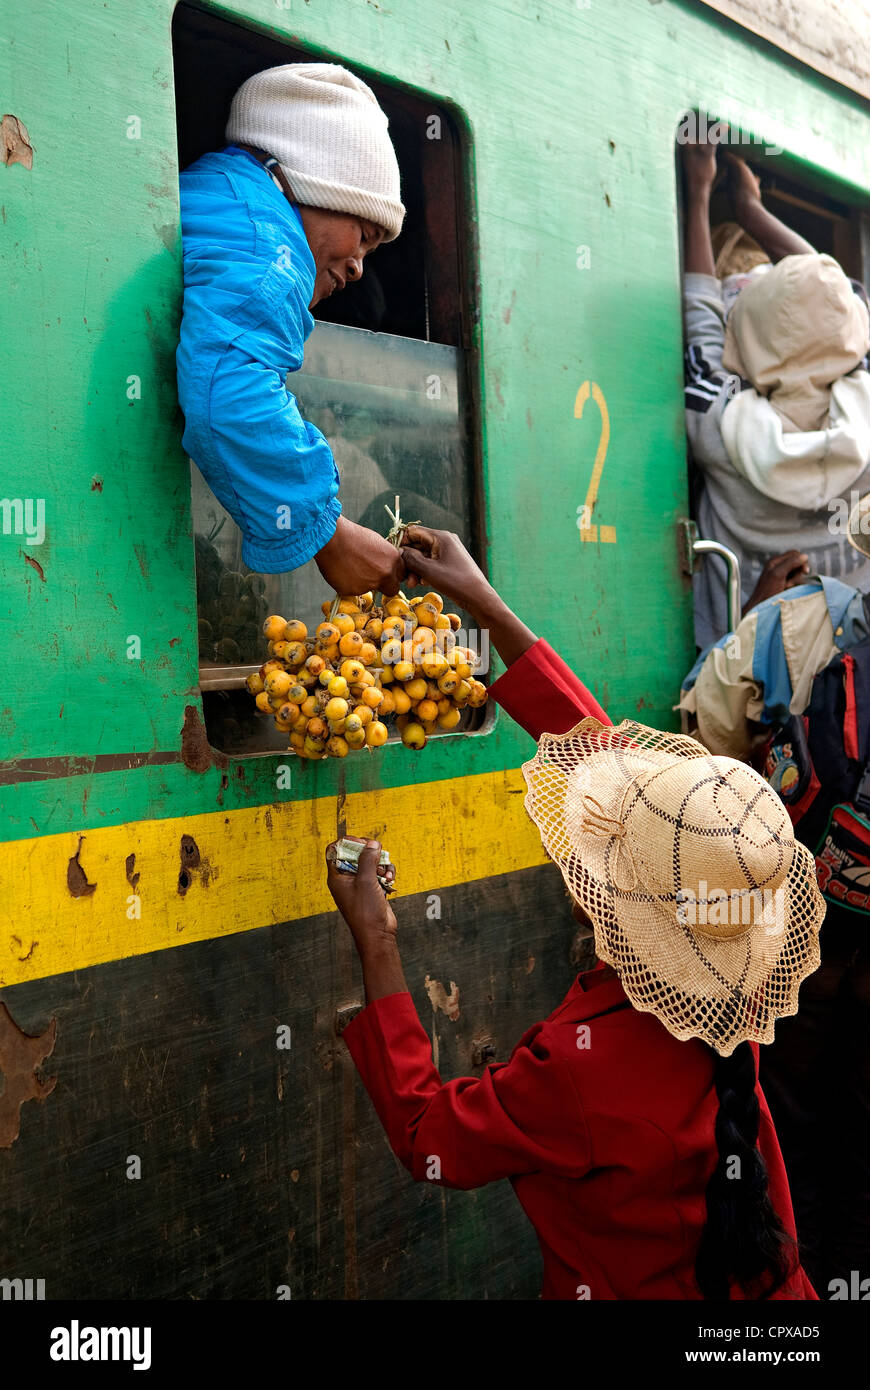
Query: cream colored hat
x,y
700,896
795,331
328,134
858,532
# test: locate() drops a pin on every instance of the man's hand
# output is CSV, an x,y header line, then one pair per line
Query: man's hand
x,y
774,237
699,168
699,163
780,573
439,559
360,898
744,187
357,559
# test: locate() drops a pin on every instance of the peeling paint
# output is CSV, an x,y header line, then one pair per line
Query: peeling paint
x,y
35,565
482,1050
40,769
76,878
15,146
196,752
20,1055
440,999
130,869
193,863
142,559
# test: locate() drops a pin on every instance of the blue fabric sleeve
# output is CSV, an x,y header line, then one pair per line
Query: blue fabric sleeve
x,y
248,279
769,664
273,471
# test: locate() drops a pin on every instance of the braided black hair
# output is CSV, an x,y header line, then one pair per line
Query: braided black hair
x,y
743,1239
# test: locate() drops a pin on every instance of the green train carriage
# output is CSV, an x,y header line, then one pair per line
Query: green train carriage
x,y
179,1117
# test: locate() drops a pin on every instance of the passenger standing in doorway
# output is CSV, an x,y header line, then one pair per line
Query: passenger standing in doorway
x,y
281,218
777,397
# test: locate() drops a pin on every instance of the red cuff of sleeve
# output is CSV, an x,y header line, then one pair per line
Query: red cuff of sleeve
x,y
388,1007
543,695
392,1052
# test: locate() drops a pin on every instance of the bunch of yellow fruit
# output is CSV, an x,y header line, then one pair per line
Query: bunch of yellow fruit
x,y
366,662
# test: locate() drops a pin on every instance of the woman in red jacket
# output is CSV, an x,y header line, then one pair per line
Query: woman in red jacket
x,y
630,1123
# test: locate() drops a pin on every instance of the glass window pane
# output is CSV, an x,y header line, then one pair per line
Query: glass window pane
x,y
394,412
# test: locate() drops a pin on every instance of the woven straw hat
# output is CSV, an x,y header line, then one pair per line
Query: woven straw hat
x,y
700,896
858,530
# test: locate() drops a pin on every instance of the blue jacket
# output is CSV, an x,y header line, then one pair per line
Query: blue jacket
x,y
248,280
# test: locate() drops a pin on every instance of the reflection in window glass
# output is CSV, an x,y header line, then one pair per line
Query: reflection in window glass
x,y
394,414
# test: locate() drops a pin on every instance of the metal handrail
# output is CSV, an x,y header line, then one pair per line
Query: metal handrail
x,y
700,547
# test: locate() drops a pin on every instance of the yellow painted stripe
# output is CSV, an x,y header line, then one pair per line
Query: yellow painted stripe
x,y
263,865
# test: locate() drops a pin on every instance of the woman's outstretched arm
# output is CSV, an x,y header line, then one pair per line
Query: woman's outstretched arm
x,y
538,690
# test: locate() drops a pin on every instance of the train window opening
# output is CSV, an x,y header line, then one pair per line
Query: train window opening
x,y
827,216
411,286
814,207
385,375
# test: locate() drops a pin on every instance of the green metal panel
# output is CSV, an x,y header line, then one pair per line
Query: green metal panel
x,y
570,114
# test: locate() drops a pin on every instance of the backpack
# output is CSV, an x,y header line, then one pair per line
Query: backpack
x,y
819,764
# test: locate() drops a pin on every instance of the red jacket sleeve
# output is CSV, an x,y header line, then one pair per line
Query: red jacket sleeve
x,y
521,1116
543,695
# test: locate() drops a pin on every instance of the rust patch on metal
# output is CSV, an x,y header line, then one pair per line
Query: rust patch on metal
x,y
76,878
20,1055
42,769
130,869
482,1050
343,1016
197,753
15,146
34,564
440,999
193,865
142,559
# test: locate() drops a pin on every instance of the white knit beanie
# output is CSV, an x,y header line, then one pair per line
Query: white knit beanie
x,y
328,134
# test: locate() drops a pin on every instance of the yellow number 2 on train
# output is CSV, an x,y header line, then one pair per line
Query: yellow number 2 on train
x,y
588,532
